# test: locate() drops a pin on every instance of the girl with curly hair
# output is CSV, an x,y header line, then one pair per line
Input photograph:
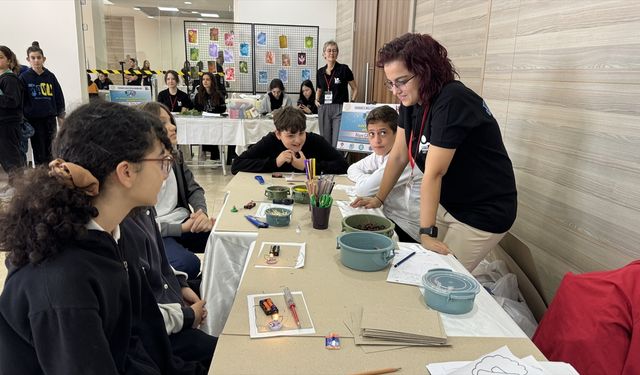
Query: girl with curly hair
x,y
76,300
468,194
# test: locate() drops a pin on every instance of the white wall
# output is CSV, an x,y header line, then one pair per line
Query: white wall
x,y
321,13
56,25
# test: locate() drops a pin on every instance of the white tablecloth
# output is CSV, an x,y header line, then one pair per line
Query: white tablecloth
x,y
195,130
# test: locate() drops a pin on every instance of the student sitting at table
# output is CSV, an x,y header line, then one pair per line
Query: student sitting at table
x,y
307,98
274,99
184,232
175,99
209,98
286,149
401,205
181,308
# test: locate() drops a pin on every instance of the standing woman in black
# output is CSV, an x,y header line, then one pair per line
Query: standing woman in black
x,y
332,91
43,104
468,197
10,117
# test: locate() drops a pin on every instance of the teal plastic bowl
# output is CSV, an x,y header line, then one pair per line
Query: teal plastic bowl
x,y
365,251
449,292
278,217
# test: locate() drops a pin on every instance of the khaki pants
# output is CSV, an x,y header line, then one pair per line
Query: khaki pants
x,y
468,244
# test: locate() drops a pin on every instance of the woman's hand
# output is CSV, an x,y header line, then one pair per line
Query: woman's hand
x,y
304,109
366,202
434,245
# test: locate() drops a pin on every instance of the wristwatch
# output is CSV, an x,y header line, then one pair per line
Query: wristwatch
x,y
431,231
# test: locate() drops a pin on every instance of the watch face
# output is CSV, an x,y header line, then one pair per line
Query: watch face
x,y
430,231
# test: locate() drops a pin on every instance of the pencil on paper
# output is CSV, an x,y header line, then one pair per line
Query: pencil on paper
x,y
379,371
404,259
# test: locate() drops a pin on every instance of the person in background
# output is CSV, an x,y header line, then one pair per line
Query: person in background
x,y
76,300
307,98
11,93
132,79
103,81
275,98
209,98
286,149
402,204
92,89
332,91
146,78
43,104
175,99
186,71
468,197
183,232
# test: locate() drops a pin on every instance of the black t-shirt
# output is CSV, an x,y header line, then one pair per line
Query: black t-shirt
x,y
479,187
337,82
175,102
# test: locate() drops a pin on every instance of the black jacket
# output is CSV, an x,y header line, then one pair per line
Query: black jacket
x,y
86,310
261,157
10,99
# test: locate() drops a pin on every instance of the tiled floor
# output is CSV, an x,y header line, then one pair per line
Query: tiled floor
x,y
211,179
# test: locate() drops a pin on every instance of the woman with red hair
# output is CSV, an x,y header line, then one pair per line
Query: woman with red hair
x,y
468,195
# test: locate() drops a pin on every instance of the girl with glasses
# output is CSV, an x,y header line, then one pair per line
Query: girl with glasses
x,y
468,196
76,300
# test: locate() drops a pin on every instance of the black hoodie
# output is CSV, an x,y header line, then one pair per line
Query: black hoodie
x,y
43,96
86,310
10,98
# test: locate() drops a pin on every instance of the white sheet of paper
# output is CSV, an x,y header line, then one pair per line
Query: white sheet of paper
x,y
264,206
253,328
350,190
299,259
347,210
411,271
501,361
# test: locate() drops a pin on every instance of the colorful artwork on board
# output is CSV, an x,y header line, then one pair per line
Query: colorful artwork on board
x,y
194,54
305,74
192,35
214,32
283,41
230,74
213,50
244,49
269,58
229,38
263,77
243,67
228,56
302,58
283,74
261,40
308,42
286,60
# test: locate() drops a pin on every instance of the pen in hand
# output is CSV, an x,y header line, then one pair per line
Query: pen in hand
x,y
404,259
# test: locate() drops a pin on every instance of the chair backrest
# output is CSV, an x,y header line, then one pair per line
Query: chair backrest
x,y
517,256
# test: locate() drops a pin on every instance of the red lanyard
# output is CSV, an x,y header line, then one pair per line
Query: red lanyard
x,y
173,102
330,78
411,154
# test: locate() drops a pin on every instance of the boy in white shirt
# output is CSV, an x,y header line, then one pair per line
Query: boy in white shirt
x,y
402,205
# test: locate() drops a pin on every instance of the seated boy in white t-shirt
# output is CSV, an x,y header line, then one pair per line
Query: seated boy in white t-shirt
x,y
402,205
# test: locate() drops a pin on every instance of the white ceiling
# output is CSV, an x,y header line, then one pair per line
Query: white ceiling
x,y
150,7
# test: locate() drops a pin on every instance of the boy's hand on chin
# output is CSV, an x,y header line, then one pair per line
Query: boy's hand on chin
x,y
298,162
285,157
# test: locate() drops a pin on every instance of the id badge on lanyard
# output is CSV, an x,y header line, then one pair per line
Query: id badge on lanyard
x,y
328,97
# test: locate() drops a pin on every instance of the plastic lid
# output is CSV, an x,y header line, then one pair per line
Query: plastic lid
x,y
445,282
